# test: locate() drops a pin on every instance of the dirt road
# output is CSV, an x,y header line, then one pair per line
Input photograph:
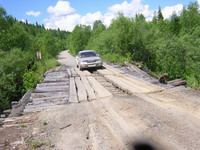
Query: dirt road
x,y
133,114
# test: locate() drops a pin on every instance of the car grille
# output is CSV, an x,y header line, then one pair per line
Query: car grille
x,y
91,61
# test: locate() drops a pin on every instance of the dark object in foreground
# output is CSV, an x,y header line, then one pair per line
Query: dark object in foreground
x,y
163,78
142,146
177,82
30,65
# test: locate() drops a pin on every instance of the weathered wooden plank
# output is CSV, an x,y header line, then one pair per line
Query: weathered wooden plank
x,y
113,70
52,94
69,72
98,88
55,98
87,73
55,74
53,84
51,89
30,105
55,80
128,84
73,95
109,76
56,77
90,91
80,73
18,109
82,94
121,85
177,82
105,72
139,88
136,69
143,85
74,73
55,101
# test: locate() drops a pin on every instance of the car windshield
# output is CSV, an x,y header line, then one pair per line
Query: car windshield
x,y
88,54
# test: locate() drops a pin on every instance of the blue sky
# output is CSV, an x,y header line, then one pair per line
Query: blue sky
x,y
65,14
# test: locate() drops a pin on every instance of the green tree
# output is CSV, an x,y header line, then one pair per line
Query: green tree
x,y
98,28
160,15
79,38
190,18
175,25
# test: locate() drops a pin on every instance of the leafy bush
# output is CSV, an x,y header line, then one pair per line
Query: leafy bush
x,y
30,79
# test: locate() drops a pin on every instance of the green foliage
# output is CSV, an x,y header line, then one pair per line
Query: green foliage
x,y
171,56
41,66
35,75
160,15
175,25
12,67
190,18
79,38
38,143
30,79
98,24
44,123
48,143
98,28
115,58
21,125
35,143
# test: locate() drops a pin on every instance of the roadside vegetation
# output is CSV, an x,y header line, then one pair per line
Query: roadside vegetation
x,y
19,68
162,45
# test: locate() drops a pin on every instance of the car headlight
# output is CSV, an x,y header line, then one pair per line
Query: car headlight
x,y
98,60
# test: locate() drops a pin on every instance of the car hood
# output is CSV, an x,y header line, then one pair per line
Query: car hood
x,y
89,58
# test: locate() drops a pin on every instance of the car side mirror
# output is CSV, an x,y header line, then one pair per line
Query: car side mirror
x,y
98,55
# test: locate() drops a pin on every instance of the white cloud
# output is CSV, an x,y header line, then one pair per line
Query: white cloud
x,y
62,11
61,8
90,18
33,13
63,16
131,9
199,2
168,11
67,22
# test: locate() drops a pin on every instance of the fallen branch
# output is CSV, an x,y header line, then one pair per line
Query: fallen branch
x,y
65,126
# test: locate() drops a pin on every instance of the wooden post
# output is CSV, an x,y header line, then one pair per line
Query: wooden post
x,y
38,55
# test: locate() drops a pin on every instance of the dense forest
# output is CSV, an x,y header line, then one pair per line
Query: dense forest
x,y
19,68
162,45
